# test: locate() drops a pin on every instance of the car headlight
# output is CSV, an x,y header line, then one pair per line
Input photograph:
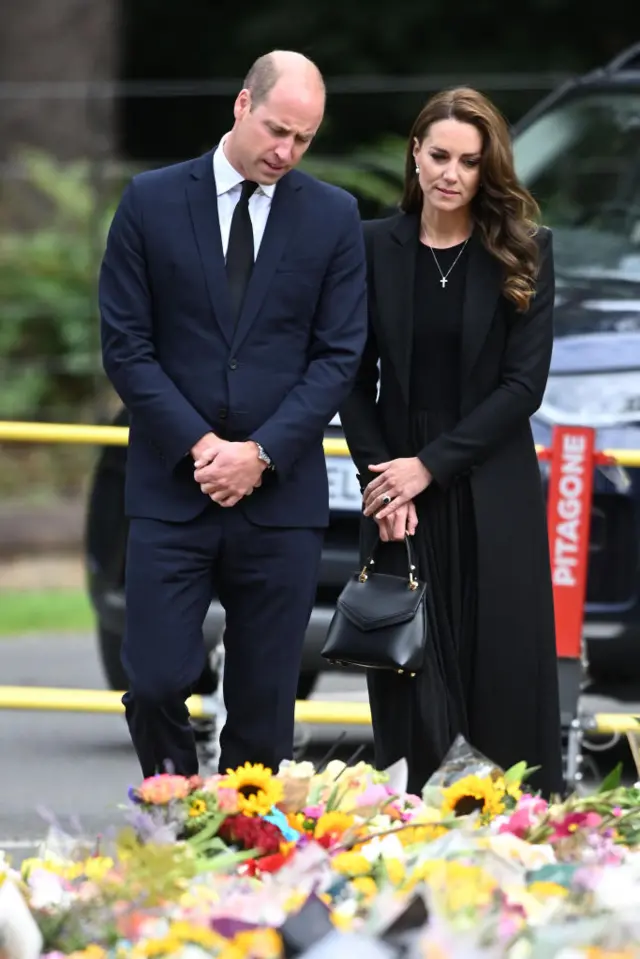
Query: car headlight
x,y
592,399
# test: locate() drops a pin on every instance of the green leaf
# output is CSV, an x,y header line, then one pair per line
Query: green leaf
x,y
612,781
515,774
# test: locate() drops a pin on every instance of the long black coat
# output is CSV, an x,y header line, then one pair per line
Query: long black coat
x,y
505,363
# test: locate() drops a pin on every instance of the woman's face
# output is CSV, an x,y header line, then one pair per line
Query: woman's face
x,y
449,164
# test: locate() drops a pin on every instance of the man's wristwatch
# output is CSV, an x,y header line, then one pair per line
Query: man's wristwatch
x,y
264,456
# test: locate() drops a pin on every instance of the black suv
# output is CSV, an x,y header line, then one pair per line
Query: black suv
x,y
579,153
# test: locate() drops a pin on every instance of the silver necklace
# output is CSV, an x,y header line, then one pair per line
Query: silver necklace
x,y
444,276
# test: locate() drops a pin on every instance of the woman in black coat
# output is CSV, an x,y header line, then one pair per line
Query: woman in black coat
x,y
461,292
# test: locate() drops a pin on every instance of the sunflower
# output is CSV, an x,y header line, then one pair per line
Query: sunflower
x,y
333,823
473,794
258,790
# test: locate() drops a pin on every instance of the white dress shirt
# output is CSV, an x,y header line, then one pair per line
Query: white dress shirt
x,y
228,188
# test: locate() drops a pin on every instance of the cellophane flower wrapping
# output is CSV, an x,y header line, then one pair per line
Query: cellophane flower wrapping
x,y
341,861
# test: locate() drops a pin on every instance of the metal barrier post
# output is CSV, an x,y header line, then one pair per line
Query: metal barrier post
x,y
569,520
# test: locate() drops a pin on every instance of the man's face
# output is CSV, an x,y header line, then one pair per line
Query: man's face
x,y
271,139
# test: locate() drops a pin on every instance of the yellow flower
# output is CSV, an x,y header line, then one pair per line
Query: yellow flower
x,y
473,794
365,886
351,864
232,951
258,944
595,952
90,952
333,822
296,820
547,890
258,790
97,867
421,834
178,935
197,807
395,871
458,886
343,915
295,901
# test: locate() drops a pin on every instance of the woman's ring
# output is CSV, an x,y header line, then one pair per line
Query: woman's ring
x,y
386,499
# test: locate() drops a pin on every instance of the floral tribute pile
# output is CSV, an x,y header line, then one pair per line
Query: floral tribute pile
x,y
339,861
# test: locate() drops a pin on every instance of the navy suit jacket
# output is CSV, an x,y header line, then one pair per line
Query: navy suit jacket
x,y
180,367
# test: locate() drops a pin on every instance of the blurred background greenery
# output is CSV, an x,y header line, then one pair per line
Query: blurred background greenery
x,y
93,92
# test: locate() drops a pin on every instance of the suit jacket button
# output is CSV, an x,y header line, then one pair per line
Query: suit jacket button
x,y
222,414
233,364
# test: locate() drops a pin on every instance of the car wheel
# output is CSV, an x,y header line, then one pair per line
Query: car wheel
x,y
110,644
306,684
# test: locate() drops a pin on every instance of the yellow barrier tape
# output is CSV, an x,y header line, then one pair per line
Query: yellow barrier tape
x,y
45,699
16,432
314,712
19,432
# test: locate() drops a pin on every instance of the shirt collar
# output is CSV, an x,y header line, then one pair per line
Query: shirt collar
x,y
227,177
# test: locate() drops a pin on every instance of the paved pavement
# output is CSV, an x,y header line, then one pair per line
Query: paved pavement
x,y
80,766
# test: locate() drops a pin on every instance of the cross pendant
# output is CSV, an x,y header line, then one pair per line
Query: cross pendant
x,y
443,281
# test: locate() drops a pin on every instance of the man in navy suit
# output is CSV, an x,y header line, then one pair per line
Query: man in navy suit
x,y
233,318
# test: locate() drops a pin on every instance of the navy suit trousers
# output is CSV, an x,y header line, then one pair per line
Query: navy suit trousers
x,y
266,581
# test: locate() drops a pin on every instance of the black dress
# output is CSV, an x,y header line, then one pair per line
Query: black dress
x,y
428,711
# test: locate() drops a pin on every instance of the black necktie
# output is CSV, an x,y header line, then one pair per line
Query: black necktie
x,y
240,249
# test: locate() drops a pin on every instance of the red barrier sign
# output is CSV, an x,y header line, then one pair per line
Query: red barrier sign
x,y
569,517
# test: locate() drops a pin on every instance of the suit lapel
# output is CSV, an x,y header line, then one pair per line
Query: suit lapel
x,y
203,205
395,266
280,223
482,289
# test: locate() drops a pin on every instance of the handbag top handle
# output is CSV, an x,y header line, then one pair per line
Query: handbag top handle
x,y
366,569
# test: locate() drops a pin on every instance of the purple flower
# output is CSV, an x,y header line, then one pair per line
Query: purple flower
x,y
150,828
227,927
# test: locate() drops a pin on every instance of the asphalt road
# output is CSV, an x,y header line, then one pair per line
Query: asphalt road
x,y
79,767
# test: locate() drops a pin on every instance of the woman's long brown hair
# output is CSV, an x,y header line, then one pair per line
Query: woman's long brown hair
x,y
503,210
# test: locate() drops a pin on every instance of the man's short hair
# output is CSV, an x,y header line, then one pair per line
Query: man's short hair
x,y
261,79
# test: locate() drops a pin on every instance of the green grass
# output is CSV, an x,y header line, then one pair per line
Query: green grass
x,y
44,611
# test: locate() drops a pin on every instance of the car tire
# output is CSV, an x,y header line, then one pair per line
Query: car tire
x,y
113,669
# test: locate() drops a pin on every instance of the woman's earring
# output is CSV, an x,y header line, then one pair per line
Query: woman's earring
x,y
417,168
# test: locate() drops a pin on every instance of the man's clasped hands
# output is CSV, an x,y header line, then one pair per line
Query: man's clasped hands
x,y
228,471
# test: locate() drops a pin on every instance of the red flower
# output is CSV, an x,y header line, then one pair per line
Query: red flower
x,y
251,832
256,867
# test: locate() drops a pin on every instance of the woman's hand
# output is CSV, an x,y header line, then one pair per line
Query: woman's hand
x,y
400,481
403,523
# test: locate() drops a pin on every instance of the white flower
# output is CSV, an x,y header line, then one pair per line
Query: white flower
x,y
383,847
46,889
618,889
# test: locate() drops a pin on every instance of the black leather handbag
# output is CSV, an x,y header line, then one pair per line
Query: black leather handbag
x,y
380,621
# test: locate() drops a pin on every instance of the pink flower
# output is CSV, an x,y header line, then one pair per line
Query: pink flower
x,y
573,823
519,823
373,796
313,812
163,788
227,800
525,816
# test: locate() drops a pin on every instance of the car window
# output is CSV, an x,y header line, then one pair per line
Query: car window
x,y
581,161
